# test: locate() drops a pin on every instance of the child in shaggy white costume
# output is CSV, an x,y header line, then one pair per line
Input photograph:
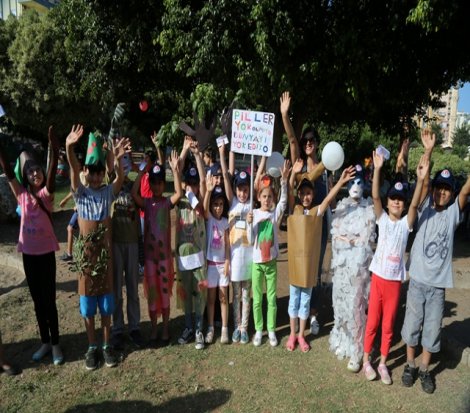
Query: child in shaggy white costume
x,y
353,232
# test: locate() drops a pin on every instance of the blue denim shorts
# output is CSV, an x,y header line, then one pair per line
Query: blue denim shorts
x,y
299,302
88,305
74,220
424,313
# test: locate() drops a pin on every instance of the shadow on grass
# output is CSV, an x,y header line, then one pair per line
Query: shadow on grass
x,y
203,401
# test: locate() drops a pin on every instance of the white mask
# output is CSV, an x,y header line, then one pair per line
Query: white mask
x,y
356,189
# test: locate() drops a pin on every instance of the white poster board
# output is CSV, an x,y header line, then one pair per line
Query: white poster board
x,y
252,132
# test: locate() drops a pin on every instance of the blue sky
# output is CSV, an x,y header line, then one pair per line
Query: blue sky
x,y
464,99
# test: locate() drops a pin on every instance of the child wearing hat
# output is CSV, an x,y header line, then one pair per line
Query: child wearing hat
x,y
191,246
299,297
37,241
218,256
431,270
241,251
158,271
94,261
388,266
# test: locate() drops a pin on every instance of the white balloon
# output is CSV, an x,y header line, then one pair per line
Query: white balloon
x,y
274,164
332,156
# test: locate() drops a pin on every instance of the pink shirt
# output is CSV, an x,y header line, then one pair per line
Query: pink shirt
x,y
37,235
145,191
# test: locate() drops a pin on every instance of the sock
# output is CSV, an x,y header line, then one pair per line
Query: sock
x,y
423,368
43,350
411,364
224,329
272,334
92,347
210,328
259,334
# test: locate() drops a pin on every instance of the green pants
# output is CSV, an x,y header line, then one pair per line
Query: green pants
x,y
261,272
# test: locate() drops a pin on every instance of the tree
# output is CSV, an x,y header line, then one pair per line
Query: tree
x,y
461,136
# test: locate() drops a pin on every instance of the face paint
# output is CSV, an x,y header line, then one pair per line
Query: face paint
x,y
356,188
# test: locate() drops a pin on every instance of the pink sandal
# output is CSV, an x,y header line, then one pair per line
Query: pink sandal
x,y
303,345
290,345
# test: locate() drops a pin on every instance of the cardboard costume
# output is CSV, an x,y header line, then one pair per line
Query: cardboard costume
x,y
304,237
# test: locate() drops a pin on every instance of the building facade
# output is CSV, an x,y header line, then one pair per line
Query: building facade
x,y
17,7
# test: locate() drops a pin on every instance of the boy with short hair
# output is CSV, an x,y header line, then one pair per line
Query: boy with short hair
x,y
95,284
431,270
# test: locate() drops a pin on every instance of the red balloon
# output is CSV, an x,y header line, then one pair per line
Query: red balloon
x,y
143,105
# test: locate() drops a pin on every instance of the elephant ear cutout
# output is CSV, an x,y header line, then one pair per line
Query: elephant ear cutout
x,y
226,119
203,135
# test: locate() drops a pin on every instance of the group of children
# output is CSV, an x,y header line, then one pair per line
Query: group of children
x,y
222,239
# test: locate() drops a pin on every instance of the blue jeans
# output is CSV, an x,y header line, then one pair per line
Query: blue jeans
x,y
299,302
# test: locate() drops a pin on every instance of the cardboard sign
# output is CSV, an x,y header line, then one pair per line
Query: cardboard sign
x,y
252,132
303,239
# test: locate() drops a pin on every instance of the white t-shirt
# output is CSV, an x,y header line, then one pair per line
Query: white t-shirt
x,y
215,230
388,262
240,248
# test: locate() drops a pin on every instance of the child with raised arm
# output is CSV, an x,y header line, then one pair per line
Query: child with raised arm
x,y
431,269
191,245
299,297
388,266
218,256
241,251
158,273
94,261
264,223
37,242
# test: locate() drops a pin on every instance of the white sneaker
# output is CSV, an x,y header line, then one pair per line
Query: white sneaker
x,y
224,336
210,335
314,325
257,338
273,339
199,340
354,366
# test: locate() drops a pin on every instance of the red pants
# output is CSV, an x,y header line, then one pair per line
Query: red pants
x,y
383,304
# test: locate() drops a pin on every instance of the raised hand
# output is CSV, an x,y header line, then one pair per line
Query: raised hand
x,y
298,165
209,182
428,139
285,102
74,135
378,160
173,161
121,147
187,142
53,141
348,174
194,148
285,170
422,170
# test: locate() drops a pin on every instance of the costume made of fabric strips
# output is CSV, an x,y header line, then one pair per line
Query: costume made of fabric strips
x,y
353,232
159,273
94,208
190,255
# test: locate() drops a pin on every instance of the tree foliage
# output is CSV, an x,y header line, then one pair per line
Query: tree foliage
x,y
346,63
461,136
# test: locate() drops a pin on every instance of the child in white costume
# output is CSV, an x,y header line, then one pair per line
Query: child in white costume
x,y
353,232
241,251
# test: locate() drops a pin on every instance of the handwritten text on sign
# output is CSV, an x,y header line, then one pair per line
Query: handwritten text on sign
x,y
252,132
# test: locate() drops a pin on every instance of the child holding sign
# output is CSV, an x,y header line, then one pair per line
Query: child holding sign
x,y
262,231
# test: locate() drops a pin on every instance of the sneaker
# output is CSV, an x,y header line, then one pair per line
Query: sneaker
x,y
427,383
244,338
257,338
210,335
384,374
199,340
354,366
236,336
66,257
110,358
186,336
91,358
409,375
273,339
369,371
314,326
136,338
57,356
43,351
224,336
